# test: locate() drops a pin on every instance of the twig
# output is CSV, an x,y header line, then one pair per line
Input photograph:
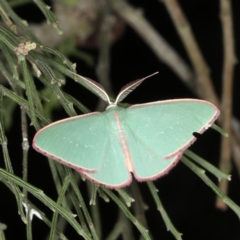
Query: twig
x,y
201,173
128,214
30,90
200,66
139,207
25,147
59,201
226,107
154,40
82,203
95,208
29,223
160,208
104,42
103,65
122,228
208,166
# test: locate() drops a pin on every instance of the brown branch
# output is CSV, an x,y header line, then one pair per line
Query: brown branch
x,y
226,107
25,147
200,66
155,41
103,66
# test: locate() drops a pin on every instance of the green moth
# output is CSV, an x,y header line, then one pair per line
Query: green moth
x,y
143,140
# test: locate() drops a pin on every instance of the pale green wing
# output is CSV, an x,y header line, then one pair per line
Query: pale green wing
x,y
158,133
88,143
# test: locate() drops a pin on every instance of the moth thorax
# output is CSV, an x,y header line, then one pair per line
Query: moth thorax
x,y
111,105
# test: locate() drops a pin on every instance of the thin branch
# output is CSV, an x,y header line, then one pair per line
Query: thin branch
x,y
95,209
25,147
59,201
128,214
103,65
226,107
29,223
83,205
121,228
200,66
139,207
155,41
201,173
160,208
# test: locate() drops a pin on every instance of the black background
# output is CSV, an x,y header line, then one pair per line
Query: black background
x,y
188,201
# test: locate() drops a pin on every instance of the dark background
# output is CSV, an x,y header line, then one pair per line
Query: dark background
x,y
188,201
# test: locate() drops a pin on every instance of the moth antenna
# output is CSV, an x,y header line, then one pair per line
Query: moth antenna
x,y
130,87
92,86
